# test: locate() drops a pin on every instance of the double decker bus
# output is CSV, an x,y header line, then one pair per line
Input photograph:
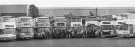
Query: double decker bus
x,y
25,27
60,29
76,27
92,29
108,29
125,28
8,28
42,28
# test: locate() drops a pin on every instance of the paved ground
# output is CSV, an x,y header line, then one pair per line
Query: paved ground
x,y
72,43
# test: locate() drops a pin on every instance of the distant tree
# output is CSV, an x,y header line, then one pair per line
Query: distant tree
x,y
33,11
69,15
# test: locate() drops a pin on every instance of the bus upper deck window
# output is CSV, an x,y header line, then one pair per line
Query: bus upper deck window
x,y
76,25
25,19
106,23
60,24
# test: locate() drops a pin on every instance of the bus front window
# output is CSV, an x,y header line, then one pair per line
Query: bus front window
x,y
25,30
123,27
8,31
107,27
60,24
25,19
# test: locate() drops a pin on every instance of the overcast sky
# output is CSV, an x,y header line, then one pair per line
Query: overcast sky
x,y
73,3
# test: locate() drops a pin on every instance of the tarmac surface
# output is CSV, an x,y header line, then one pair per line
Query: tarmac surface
x,y
71,43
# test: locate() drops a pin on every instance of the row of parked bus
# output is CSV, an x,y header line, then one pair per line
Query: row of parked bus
x,y
25,27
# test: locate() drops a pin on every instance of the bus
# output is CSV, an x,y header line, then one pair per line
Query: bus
x,y
42,27
8,28
76,28
125,28
107,29
59,30
92,29
25,27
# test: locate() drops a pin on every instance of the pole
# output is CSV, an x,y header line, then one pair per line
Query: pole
x,y
96,12
27,10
